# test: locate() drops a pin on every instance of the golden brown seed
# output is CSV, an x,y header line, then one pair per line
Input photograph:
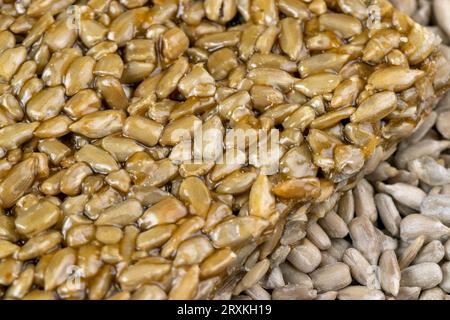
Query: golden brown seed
x,y
59,268
80,235
110,64
14,135
112,92
165,171
38,218
218,40
232,102
142,273
39,245
79,75
174,44
60,35
186,229
136,71
143,130
155,237
121,148
40,295
57,66
119,180
54,149
168,210
124,26
10,61
92,32
121,214
420,44
346,93
217,262
46,104
300,119
332,118
192,105
294,9
108,234
140,50
73,177
261,199
271,60
99,124
236,231
7,248
7,228
101,283
375,107
380,44
171,77
263,96
218,211
23,24
325,62
264,12
318,84
31,87
20,287
197,83
99,160
179,130
26,71
17,182
193,251
54,128
348,159
221,62
342,24
102,49
267,39
139,164
394,78
291,38
185,284
9,271
196,195
248,40
7,40
271,77
149,292
237,182
302,188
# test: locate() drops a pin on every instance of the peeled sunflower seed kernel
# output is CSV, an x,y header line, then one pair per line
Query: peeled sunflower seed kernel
x,y
305,256
436,206
405,194
331,277
410,252
360,268
360,293
415,225
389,273
424,275
432,252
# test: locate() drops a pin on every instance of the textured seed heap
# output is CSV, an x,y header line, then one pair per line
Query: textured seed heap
x,y
388,238
95,199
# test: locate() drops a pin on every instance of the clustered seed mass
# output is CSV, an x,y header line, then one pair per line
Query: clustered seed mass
x,y
97,203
